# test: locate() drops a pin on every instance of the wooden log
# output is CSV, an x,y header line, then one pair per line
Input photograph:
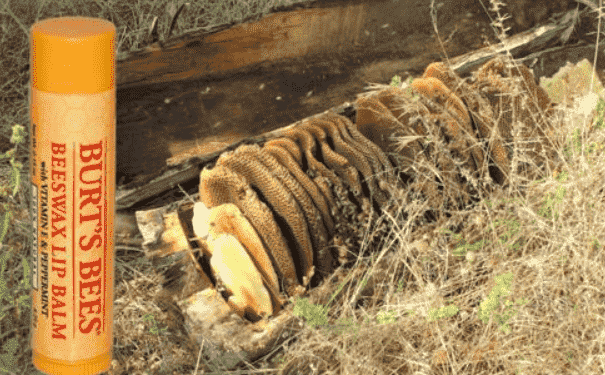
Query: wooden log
x,y
166,241
214,87
187,168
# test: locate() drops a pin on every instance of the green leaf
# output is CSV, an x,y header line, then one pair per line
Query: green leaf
x,y
18,135
16,180
26,273
4,226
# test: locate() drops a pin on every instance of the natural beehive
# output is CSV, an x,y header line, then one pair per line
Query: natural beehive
x,y
272,217
283,189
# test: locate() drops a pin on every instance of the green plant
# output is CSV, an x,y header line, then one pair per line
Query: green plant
x,y
599,120
314,315
443,312
155,329
10,190
489,306
548,209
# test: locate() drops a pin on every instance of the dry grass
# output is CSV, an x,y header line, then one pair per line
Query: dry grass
x,y
514,284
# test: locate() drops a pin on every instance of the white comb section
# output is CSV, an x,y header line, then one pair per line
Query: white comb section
x,y
231,263
201,226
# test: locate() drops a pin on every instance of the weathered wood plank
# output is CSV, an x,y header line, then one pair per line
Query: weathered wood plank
x,y
316,27
519,45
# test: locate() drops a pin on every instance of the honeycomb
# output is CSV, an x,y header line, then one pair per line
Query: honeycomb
x,y
287,206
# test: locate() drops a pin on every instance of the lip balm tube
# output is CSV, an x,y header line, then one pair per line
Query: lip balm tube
x,y
72,171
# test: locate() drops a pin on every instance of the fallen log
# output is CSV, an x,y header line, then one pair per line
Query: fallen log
x,y
183,170
208,89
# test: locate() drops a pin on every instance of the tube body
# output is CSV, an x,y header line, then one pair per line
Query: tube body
x,y
72,172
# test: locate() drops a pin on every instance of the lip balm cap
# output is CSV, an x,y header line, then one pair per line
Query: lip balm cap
x,y
73,55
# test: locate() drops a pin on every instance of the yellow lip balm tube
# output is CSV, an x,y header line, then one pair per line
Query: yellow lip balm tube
x,y
72,171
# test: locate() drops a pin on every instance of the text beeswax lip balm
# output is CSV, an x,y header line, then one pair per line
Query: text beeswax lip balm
x,y
72,169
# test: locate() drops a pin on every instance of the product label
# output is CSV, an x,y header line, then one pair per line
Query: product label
x,y
34,215
73,184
